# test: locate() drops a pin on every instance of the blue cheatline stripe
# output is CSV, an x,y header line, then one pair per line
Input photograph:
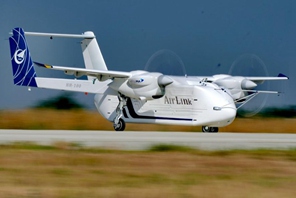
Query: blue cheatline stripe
x,y
136,116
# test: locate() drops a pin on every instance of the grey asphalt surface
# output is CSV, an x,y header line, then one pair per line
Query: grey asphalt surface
x,y
144,140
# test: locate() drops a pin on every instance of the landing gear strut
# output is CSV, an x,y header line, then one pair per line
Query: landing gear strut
x,y
118,123
207,129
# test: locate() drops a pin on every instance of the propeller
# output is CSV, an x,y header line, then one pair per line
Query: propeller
x,y
166,62
251,65
169,63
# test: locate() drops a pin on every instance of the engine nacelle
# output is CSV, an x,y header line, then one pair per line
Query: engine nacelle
x,y
146,86
235,85
142,80
142,85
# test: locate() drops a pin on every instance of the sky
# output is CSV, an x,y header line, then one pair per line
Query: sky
x,y
210,37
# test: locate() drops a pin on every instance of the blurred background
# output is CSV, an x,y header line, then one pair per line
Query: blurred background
x,y
246,37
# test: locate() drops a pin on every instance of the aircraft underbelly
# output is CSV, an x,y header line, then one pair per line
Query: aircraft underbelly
x,y
183,105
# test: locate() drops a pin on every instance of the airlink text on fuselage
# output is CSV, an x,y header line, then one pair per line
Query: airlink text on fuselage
x,y
178,101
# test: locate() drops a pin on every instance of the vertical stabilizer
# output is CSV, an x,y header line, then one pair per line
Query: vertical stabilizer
x,y
22,64
92,55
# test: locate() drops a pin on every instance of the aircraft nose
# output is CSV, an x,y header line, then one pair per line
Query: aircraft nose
x,y
225,114
229,112
223,109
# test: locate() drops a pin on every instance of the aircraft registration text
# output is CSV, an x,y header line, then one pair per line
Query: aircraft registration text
x,y
74,85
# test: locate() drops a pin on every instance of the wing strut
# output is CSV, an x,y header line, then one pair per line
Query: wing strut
x,y
242,101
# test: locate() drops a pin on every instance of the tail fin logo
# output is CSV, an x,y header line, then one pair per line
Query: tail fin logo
x,y
19,56
22,64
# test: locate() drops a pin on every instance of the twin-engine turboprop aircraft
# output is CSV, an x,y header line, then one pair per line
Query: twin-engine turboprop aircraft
x,y
140,96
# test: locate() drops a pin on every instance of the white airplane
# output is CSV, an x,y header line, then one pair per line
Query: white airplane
x,y
140,96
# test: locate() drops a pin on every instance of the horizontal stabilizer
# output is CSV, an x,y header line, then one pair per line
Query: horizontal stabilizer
x,y
92,55
86,35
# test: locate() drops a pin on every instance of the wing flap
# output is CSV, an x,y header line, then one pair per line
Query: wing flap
x,y
101,75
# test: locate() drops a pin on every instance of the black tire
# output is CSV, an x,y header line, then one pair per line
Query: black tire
x,y
120,126
214,129
207,129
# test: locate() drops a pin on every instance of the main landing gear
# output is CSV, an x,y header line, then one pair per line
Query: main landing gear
x,y
118,123
207,129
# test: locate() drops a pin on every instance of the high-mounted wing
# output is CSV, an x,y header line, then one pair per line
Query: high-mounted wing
x,y
259,80
101,75
240,86
137,84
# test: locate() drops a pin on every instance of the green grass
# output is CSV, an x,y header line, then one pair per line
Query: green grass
x,y
92,120
170,147
27,146
71,170
289,153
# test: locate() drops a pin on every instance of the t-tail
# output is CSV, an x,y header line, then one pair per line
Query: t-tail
x,y
22,64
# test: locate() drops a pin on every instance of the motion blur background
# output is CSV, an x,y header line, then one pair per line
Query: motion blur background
x,y
209,37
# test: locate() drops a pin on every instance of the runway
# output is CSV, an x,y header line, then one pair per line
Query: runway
x,y
144,140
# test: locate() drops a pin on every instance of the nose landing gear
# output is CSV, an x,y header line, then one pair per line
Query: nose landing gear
x,y
207,129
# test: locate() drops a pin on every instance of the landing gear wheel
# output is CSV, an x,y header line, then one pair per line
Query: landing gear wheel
x,y
118,123
120,126
207,129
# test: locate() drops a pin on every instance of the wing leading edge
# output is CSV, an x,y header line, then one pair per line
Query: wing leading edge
x,y
279,77
259,80
101,75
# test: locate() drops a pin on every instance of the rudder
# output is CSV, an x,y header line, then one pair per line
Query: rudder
x,y
22,64
92,55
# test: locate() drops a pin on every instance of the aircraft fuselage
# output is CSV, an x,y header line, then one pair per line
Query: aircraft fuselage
x,y
203,104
